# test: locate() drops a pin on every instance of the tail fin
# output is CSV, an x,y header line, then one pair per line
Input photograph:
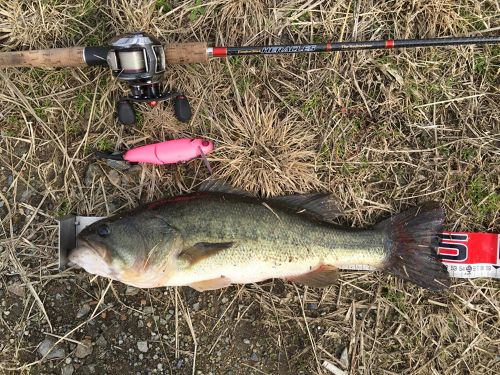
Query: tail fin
x,y
411,245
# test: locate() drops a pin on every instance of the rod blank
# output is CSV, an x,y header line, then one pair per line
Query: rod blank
x,y
351,46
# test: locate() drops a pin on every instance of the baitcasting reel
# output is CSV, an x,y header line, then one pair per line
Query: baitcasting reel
x,y
139,60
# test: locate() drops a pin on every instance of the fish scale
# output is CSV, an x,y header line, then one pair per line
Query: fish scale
x,y
265,240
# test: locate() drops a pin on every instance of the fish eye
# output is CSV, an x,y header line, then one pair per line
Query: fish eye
x,y
103,230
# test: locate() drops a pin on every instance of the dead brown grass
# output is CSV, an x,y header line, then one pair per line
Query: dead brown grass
x,y
40,24
267,153
382,130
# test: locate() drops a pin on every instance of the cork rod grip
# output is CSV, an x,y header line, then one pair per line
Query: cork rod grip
x,y
186,53
48,58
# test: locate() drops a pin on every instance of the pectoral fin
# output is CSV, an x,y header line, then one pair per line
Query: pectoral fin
x,y
202,250
220,282
321,277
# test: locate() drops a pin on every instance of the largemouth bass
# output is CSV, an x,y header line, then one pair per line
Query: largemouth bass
x,y
211,239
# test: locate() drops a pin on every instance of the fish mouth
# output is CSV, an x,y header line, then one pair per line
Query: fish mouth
x,y
92,259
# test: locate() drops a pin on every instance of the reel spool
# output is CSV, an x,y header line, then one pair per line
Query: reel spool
x,y
139,60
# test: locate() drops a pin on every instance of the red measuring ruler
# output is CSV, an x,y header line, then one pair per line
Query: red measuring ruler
x,y
470,255
465,254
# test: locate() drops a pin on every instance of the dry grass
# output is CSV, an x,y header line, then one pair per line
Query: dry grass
x,y
382,130
41,24
263,151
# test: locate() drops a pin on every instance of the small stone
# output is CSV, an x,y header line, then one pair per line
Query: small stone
x,y
45,349
67,370
84,349
141,356
179,363
113,206
224,300
92,174
84,310
114,177
131,291
68,360
140,324
160,366
196,306
246,341
16,289
119,165
135,169
101,341
142,346
26,195
254,357
148,310
344,359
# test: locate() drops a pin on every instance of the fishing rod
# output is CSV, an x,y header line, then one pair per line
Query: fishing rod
x,y
140,60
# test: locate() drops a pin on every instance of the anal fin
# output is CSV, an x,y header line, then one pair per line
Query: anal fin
x,y
321,277
211,284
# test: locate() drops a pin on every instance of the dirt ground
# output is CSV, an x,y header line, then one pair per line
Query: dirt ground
x,y
382,130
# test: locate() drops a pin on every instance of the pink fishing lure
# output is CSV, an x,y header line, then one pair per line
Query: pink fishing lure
x,y
170,152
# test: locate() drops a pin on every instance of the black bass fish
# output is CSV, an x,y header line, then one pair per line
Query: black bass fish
x,y
211,239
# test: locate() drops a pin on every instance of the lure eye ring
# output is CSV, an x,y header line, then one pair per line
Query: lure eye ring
x,y
103,230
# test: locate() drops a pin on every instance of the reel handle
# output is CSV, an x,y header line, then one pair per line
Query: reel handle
x,y
126,112
182,109
186,53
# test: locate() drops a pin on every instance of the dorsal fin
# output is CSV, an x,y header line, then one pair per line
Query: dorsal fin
x,y
219,186
320,205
